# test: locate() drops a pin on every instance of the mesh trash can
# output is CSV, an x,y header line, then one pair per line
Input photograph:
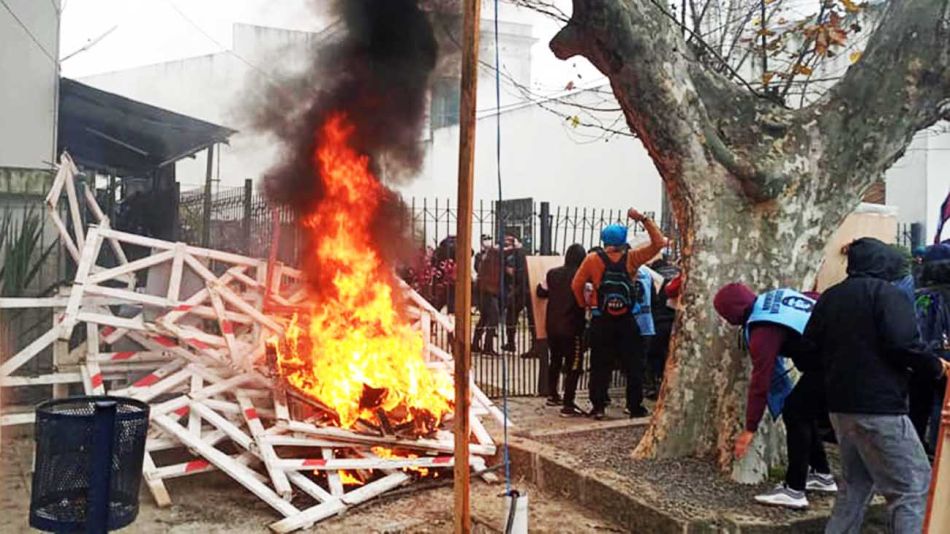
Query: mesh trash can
x,y
88,464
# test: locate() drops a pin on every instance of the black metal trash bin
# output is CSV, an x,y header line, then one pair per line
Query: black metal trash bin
x,y
88,464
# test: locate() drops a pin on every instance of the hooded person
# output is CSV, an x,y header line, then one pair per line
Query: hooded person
x,y
772,325
564,325
864,333
615,302
933,319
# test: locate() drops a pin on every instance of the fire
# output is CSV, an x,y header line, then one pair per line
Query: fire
x,y
354,352
384,452
350,480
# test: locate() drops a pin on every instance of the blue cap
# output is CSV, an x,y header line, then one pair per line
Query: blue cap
x,y
614,235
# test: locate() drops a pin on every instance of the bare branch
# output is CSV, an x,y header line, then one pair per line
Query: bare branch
x,y
893,91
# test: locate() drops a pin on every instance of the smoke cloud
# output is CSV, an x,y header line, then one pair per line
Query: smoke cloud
x,y
375,67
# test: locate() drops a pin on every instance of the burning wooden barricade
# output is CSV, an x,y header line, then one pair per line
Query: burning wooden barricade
x,y
207,346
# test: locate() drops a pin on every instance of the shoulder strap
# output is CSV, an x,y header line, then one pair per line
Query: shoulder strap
x,y
602,254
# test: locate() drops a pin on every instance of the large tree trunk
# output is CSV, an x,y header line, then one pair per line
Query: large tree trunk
x,y
756,188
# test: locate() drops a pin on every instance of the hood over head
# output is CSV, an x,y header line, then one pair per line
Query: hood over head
x,y
872,258
574,256
733,301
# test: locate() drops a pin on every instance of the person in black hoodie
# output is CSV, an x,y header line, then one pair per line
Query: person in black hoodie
x,y
565,329
864,333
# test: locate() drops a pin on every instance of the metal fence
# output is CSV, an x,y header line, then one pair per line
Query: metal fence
x,y
240,220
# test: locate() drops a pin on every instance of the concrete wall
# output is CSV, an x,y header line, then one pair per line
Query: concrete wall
x,y
28,83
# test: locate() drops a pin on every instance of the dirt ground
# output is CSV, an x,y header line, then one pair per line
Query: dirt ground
x,y
685,487
212,504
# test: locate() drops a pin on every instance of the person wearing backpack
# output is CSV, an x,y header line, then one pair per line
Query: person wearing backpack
x,y
614,302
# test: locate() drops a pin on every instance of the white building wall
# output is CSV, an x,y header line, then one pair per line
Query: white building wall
x,y
543,157
218,88
28,84
938,181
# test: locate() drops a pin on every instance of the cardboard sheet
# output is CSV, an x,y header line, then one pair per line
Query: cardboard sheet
x,y
538,267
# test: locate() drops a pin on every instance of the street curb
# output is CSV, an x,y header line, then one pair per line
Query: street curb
x,y
604,492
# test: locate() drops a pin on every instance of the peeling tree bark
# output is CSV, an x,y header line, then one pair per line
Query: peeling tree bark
x,y
756,188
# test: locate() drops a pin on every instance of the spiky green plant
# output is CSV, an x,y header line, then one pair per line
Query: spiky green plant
x,y
21,251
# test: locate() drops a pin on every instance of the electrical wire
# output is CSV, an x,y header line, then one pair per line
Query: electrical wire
x,y
504,360
28,32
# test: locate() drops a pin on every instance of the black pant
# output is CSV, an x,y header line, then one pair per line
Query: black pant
x,y
615,340
513,310
804,407
567,353
488,316
921,393
657,349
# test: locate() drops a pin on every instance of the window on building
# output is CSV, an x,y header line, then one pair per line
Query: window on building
x,y
444,108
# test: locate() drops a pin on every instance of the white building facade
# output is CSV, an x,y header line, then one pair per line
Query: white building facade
x,y
29,46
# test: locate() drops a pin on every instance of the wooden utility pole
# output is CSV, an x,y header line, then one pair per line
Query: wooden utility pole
x,y
938,516
463,263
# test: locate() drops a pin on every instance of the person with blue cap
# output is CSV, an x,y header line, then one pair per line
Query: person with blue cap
x,y
615,303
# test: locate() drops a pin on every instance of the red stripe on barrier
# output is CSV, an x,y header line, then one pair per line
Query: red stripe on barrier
x,y
196,465
250,413
107,331
96,380
442,460
314,462
164,341
122,355
181,411
226,327
183,307
198,344
145,381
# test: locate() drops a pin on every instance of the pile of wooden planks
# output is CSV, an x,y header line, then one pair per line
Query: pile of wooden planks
x,y
192,343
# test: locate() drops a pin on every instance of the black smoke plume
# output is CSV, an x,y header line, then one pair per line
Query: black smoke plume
x,y
375,69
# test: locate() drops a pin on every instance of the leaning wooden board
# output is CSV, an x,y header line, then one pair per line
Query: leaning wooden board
x,y
938,511
538,267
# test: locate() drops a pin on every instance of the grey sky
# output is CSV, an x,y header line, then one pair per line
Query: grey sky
x,y
152,31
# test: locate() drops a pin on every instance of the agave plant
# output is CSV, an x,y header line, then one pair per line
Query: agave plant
x,y
20,246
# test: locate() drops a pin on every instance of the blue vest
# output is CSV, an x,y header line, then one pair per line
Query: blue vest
x,y
788,308
643,311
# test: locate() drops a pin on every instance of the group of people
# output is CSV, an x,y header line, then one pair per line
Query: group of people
x,y
872,355
607,300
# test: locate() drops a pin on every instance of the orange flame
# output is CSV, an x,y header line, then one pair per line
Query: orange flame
x,y
354,352
350,480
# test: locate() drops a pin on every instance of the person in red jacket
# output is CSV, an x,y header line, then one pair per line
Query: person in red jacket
x,y
769,340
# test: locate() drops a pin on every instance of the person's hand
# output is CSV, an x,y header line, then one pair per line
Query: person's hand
x,y
743,442
635,215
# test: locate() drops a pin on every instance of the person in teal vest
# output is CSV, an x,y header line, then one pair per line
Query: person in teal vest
x,y
772,325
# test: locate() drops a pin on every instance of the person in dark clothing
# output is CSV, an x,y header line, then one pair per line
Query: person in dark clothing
x,y
565,329
863,332
614,332
933,320
773,324
663,317
487,289
516,294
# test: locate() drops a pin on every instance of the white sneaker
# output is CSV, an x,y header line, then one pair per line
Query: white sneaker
x,y
821,482
782,495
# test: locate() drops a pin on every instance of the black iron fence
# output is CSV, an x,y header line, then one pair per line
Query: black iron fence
x,y
240,220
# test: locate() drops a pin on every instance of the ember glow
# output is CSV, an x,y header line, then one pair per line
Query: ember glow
x,y
353,351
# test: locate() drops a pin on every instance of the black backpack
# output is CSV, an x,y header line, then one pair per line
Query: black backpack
x,y
618,294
